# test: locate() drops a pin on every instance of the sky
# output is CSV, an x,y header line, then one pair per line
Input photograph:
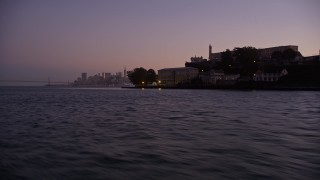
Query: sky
x,y
61,39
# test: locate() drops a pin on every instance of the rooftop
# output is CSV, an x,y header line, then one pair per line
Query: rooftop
x,y
177,68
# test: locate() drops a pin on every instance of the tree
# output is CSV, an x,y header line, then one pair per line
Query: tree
x,y
226,59
248,58
246,55
151,76
138,76
141,76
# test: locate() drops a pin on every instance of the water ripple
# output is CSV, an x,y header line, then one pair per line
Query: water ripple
x,y
51,133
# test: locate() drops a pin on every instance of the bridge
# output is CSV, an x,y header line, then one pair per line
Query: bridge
x,y
48,82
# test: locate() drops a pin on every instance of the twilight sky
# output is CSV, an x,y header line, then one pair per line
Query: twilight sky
x,y
62,38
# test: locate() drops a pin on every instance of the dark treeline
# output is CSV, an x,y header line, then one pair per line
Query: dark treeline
x,y
141,76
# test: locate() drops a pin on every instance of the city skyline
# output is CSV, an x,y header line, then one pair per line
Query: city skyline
x,y
61,39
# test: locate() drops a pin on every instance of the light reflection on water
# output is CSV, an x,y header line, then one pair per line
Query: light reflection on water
x,y
158,134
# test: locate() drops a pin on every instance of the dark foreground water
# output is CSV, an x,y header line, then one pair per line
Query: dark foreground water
x,y
51,133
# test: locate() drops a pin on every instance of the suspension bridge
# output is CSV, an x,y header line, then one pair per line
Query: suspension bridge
x,y
44,82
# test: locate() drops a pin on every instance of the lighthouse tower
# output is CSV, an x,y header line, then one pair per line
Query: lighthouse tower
x,y
210,52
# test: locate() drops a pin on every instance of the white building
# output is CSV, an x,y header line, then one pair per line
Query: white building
x,y
216,75
174,76
269,76
231,77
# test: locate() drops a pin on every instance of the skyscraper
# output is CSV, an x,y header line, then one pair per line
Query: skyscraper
x,y
84,76
125,72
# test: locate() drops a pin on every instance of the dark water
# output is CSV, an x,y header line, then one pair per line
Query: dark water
x,y
51,133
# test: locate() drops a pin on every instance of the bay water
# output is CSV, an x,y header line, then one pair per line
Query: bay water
x,y
114,133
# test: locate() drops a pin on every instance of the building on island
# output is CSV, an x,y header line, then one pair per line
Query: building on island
x,y
269,75
175,76
264,53
218,76
312,58
196,59
214,56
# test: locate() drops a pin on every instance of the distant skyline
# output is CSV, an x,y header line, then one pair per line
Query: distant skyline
x,y
61,39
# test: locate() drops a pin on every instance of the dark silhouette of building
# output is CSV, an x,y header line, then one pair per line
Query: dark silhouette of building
x,y
84,76
264,53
